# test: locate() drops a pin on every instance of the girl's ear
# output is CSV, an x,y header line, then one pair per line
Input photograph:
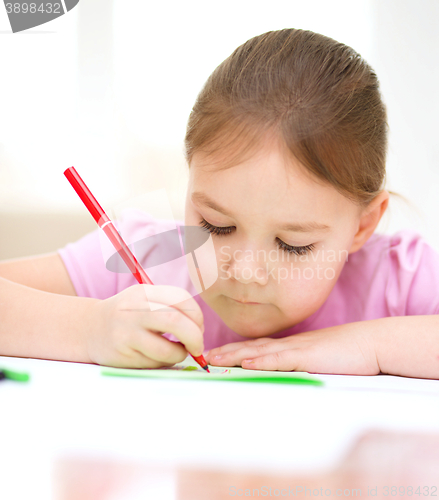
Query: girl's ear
x,y
369,220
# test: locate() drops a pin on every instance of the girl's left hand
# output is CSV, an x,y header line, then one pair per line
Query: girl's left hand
x,y
345,349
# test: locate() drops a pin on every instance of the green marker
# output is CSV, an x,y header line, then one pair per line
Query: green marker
x,y
12,375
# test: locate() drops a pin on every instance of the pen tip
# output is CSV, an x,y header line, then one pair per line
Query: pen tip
x,y
206,368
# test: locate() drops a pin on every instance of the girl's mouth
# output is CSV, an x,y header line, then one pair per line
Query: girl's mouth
x,y
246,303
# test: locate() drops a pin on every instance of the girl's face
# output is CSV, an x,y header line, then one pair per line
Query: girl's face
x,y
285,238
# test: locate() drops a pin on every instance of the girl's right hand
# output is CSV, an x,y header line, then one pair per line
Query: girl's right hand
x,y
127,333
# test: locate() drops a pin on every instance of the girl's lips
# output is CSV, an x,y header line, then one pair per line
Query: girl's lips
x,y
246,303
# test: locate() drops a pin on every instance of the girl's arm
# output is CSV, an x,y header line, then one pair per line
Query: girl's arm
x,y
38,324
41,317
408,345
402,345
43,272
35,323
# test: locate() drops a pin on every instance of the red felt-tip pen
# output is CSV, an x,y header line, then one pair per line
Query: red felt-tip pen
x,y
105,223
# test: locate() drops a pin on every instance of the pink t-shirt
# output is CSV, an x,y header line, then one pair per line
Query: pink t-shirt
x,y
391,275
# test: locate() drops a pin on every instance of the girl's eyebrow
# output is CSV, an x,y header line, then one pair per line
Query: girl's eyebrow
x,y
304,227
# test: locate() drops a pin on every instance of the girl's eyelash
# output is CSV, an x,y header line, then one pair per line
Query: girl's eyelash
x,y
215,229
297,250
220,231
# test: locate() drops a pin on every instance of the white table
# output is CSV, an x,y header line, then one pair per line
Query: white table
x,y
71,409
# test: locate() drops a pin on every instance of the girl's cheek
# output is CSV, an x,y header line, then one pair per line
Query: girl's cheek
x,y
305,281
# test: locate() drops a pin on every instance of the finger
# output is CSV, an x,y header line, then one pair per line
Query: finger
x,y
134,359
157,348
218,351
173,321
285,361
234,346
249,351
179,298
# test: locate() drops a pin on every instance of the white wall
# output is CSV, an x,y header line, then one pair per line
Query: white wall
x,y
113,98
406,57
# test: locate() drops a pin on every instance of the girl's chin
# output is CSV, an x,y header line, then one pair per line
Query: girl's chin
x,y
252,335
250,330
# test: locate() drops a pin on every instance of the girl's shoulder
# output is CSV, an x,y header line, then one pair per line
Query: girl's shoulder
x,y
408,267
97,270
405,248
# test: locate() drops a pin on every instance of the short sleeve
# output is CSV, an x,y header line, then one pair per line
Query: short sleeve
x,y
97,271
85,265
413,281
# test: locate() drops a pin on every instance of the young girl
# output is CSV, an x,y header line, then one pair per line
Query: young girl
x,y
286,146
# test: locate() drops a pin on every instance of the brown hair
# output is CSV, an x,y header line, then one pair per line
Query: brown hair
x,y
318,95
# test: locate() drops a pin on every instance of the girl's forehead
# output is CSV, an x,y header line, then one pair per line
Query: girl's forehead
x,y
270,163
270,180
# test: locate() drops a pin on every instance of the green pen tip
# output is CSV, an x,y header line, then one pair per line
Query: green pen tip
x,y
17,376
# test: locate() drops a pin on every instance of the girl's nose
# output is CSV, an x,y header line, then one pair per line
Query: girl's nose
x,y
246,269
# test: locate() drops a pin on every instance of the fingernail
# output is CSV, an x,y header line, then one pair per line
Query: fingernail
x,y
217,357
248,361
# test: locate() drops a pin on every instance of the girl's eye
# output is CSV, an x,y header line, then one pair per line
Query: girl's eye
x,y
297,250
227,230
215,229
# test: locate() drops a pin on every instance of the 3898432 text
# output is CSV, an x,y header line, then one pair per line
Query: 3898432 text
x,y
304,491
34,7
